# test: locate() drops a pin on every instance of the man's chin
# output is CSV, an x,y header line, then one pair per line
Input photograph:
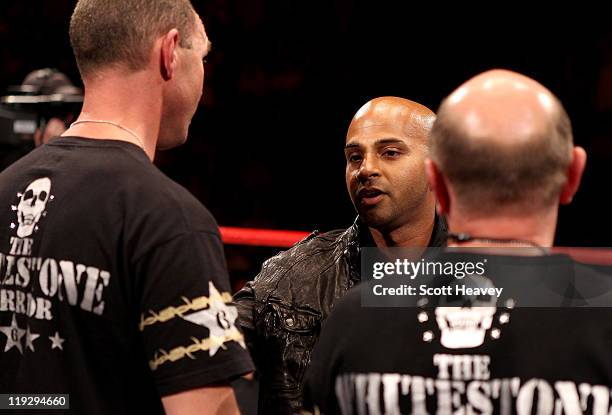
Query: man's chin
x,y
169,143
373,218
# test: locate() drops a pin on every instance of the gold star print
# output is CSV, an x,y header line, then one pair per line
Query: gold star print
x,y
218,318
30,337
13,336
56,341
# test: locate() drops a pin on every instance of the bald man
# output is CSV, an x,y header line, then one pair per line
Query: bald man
x,y
282,310
502,161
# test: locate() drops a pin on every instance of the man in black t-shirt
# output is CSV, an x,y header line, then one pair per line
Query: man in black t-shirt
x,y
113,286
502,358
502,160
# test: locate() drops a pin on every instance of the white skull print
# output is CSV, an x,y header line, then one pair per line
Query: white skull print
x,y
32,205
465,325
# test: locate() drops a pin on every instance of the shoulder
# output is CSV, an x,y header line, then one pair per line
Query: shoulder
x,y
351,319
161,211
593,284
357,305
308,257
149,197
170,198
347,306
313,246
152,206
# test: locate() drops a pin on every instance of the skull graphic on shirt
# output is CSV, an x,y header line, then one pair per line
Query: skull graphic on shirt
x,y
32,205
465,325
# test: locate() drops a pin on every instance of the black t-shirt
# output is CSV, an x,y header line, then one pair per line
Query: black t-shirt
x,y
474,360
113,285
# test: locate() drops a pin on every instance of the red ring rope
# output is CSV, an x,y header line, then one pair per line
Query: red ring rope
x,y
286,239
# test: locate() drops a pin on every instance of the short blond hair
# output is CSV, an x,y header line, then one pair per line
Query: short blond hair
x,y
106,32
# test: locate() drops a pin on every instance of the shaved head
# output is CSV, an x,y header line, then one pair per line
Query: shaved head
x,y
502,139
502,106
107,32
386,147
410,118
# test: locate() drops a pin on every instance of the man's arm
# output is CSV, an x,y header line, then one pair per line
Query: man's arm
x,y
244,300
210,400
188,324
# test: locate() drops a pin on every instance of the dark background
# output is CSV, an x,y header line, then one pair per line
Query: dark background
x,y
285,78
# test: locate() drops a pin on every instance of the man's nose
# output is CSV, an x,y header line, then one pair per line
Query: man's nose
x,y
369,167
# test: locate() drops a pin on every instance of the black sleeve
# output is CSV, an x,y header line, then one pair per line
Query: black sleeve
x,y
187,319
244,301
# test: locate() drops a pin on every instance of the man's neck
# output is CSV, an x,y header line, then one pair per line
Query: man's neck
x,y
415,233
132,101
532,230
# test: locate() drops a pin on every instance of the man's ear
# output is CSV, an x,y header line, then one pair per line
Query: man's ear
x,y
574,175
169,45
438,184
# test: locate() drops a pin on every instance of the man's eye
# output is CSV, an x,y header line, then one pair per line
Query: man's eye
x,y
354,158
391,153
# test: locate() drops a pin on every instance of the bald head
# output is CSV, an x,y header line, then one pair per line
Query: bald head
x,y
503,141
502,106
405,117
385,150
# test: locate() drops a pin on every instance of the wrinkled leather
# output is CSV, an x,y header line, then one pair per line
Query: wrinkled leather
x,y
282,309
